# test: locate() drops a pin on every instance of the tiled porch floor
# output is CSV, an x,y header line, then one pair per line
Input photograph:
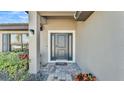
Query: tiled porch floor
x,y
59,72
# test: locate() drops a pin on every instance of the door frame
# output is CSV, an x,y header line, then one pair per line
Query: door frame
x,y
49,45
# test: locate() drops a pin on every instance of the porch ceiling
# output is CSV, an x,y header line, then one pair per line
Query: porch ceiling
x,y
76,15
82,15
57,13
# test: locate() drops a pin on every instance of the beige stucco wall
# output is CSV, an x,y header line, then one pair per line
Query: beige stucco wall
x,y
34,42
100,45
56,25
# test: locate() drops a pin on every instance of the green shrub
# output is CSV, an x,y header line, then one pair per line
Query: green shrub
x,y
21,50
16,68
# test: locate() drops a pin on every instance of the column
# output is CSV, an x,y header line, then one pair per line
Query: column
x,y
34,42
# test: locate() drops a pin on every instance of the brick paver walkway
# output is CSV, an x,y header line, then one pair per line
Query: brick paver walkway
x,y
60,72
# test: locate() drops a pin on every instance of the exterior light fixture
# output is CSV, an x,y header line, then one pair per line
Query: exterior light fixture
x,y
41,28
32,31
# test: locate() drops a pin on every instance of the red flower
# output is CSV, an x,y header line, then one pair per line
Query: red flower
x,y
85,77
24,56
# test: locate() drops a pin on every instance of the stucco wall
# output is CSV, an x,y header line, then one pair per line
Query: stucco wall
x,y
100,45
57,25
34,42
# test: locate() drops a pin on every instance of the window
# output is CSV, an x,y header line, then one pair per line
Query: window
x,y
14,41
25,41
5,42
19,41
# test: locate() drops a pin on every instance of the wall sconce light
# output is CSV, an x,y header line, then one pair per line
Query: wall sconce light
x,y
41,28
32,31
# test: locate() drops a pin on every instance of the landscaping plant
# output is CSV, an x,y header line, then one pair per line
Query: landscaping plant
x,y
13,65
85,77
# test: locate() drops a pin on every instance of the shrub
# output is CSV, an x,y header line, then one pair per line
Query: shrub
x,y
21,50
15,68
85,77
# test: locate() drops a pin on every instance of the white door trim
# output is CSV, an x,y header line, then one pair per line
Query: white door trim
x,y
49,45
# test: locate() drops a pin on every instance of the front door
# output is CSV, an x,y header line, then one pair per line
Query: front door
x,y
61,46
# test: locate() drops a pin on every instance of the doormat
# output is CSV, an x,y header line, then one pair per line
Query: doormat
x,y
61,63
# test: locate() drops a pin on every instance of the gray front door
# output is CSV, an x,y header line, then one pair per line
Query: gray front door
x,y
61,46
